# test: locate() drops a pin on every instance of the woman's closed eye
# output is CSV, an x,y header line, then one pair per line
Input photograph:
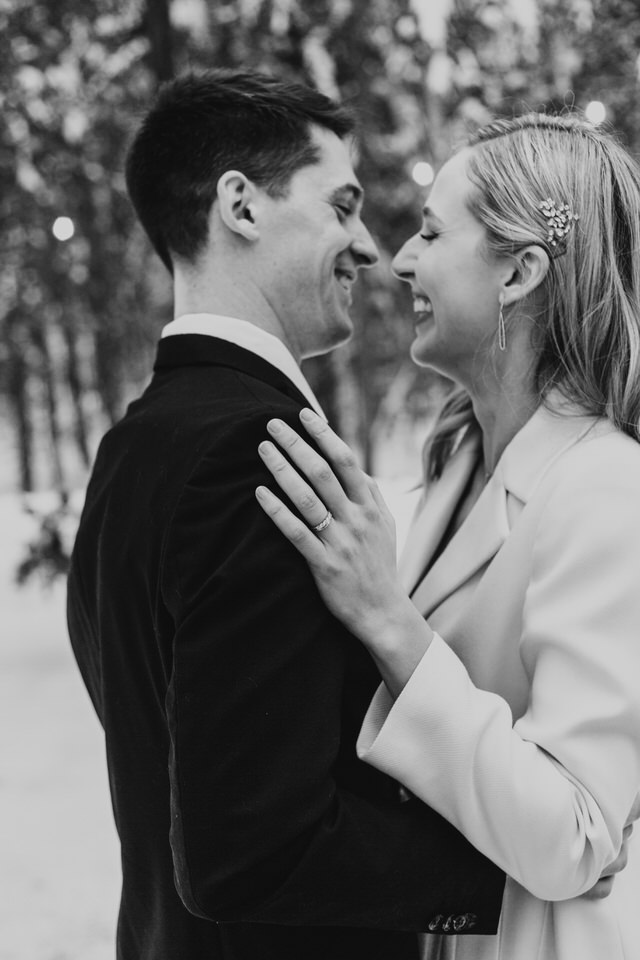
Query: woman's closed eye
x,y
429,236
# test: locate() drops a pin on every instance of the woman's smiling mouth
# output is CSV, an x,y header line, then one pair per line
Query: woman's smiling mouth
x,y
422,305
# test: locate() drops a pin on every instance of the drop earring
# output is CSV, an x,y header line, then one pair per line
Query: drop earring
x,y
502,333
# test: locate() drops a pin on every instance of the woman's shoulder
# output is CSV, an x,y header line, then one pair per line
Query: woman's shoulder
x,y
603,452
573,439
597,478
587,505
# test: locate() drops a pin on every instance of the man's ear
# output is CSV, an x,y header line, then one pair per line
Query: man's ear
x,y
529,268
236,201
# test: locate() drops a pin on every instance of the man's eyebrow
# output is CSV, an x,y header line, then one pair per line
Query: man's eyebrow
x,y
348,191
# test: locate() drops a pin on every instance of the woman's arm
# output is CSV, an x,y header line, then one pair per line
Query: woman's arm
x,y
548,799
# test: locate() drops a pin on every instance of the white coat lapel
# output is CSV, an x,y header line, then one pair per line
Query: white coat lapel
x,y
472,547
434,513
523,464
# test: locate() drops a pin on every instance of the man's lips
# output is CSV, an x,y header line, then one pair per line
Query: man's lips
x,y
345,277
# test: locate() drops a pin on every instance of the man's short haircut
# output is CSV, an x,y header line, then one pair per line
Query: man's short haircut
x,y
204,124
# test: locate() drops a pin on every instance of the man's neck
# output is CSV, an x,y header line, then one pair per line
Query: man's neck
x,y
227,297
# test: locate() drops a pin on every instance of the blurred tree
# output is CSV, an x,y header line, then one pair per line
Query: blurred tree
x,y
79,317
76,312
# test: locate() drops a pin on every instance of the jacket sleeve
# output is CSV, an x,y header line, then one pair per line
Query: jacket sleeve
x,y
262,827
547,797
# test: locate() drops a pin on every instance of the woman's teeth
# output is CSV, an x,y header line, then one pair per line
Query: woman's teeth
x,y
421,305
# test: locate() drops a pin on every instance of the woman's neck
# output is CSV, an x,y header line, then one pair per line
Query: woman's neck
x,y
501,416
503,393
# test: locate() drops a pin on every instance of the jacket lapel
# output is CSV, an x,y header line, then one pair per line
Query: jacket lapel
x,y
472,547
433,514
552,429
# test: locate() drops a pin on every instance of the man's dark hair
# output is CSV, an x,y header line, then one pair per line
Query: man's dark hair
x,y
204,124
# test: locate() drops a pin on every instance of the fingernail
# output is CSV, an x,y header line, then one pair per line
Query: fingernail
x,y
262,493
307,415
275,426
265,448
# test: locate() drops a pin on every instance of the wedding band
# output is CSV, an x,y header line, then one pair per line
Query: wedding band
x,y
325,523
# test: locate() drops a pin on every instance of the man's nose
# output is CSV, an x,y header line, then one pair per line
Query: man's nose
x,y
364,248
403,264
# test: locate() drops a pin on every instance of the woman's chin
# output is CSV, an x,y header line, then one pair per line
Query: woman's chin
x,y
428,355
421,350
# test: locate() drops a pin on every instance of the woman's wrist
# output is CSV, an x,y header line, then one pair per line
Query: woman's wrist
x,y
397,640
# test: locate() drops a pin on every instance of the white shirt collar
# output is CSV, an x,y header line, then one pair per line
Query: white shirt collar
x,y
249,337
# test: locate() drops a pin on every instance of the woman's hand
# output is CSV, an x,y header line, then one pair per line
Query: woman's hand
x,y
604,886
347,536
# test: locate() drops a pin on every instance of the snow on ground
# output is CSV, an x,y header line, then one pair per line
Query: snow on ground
x,y
59,871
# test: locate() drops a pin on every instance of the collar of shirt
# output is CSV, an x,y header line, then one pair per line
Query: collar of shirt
x,y
249,337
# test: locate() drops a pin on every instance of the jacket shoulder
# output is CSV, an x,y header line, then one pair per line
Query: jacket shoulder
x,y
605,455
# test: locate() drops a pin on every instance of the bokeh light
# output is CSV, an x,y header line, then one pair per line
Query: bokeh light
x,y
63,228
423,173
595,112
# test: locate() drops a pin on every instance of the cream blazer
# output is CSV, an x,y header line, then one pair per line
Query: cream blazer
x,y
521,724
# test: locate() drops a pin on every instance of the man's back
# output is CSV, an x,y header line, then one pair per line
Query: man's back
x,y
231,700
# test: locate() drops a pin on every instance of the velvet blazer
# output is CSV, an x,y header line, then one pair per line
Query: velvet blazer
x,y
231,701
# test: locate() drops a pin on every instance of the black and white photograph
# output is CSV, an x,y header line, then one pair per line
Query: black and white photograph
x,y
320,479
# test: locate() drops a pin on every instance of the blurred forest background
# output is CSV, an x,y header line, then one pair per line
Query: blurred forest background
x,y
80,314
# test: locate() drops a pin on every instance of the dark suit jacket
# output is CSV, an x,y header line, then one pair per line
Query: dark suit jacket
x,y
231,701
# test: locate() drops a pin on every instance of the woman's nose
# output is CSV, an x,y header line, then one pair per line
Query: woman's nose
x,y
402,265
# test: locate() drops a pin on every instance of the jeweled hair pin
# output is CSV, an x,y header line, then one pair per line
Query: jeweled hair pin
x,y
560,220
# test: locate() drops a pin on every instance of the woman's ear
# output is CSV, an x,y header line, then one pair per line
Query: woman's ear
x,y
236,202
529,268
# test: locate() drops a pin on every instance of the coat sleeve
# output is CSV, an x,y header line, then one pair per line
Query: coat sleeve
x,y
547,797
264,828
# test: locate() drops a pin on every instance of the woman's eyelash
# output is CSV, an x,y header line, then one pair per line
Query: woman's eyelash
x,y
428,236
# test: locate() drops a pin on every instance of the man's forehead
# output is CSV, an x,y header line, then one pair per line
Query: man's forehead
x,y
337,183
335,162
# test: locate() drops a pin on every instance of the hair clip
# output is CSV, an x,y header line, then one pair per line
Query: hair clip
x,y
560,221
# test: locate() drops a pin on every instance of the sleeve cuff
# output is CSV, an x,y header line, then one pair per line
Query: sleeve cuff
x,y
379,728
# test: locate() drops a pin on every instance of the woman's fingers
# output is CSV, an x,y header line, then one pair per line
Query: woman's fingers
x,y
310,482
297,532
340,456
604,885
313,510
310,464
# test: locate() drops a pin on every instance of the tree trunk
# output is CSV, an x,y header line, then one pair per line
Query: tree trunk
x,y
51,408
107,372
18,377
159,32
75,388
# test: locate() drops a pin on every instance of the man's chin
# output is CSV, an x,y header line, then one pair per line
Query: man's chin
x,y
336,337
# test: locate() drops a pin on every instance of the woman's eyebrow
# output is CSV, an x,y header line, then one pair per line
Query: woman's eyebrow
x,y
428,212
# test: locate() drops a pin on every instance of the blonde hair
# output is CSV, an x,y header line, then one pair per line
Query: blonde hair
x,y
587,338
